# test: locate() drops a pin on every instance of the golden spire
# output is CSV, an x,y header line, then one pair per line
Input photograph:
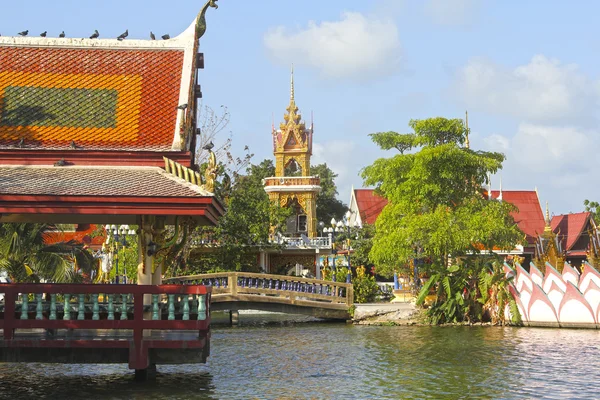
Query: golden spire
x,y
292,86
292,111
467,123
547,228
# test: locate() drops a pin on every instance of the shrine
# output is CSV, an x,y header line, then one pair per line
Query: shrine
x,y
294,187
103,131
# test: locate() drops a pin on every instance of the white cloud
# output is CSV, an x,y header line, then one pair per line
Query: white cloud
x,y
496,142
563,150
543,90
452,12
559,160
356,46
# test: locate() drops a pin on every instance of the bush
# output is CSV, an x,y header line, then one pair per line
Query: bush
x,y
365,287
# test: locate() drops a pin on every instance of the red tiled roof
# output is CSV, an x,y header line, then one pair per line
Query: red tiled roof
x,y
369,204
530,217
569,227
94,181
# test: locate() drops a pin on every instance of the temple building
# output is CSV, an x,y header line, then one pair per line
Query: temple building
x,y
102,131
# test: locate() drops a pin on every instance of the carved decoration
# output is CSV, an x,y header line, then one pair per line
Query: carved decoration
x,y
201,20
210,175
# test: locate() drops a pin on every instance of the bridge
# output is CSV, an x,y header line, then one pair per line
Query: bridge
x,y
141,325
236,291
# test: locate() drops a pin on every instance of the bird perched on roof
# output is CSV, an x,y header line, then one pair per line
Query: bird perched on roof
x,y
21,143
152,37
208,146
24,33
95,35
43,34
60,163
182,107
166,37
123,35
73,145
62,34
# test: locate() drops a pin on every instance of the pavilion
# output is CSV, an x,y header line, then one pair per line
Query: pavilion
x,y
103,131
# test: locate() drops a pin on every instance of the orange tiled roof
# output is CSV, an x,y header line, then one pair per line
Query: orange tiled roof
x,y
369,205
101,94
569,227
83,234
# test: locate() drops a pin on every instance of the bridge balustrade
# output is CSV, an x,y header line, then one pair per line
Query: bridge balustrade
x,y
246,287
144,319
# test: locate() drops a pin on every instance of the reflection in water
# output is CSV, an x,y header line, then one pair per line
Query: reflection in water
x,y
331,361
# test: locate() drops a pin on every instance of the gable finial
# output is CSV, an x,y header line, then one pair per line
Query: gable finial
x,y
201,19
500,195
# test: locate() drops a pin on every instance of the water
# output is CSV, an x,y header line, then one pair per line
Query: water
x,y
338,361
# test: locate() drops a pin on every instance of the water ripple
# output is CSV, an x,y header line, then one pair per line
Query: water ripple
x,y
331,361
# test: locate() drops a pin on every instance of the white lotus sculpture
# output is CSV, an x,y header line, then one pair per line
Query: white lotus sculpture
x,y
551,299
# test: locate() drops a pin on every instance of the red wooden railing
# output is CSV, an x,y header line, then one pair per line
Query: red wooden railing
x,y
164,314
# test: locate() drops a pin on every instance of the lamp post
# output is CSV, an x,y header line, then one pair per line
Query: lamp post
x,y
118,234
336,228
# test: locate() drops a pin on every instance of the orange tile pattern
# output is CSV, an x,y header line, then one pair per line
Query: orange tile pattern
x,y
147,83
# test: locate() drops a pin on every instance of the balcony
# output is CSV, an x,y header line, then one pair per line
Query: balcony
x,y
292,181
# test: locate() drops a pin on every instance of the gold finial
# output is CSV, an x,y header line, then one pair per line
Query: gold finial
x,y
547,228
292,85
467,134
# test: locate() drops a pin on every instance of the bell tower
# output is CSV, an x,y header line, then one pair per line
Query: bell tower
x,y
292,185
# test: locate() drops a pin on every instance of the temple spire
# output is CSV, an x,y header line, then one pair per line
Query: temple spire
x,y
292,86
547,228
467,144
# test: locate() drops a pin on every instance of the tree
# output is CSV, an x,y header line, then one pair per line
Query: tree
x,y
594,208
244,229
328,206
436,208
25,256
434,194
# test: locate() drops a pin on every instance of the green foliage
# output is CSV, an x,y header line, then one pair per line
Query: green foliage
x,y
474,289
435,200
25,256
365,287
245,227
495,296
328,206
594,208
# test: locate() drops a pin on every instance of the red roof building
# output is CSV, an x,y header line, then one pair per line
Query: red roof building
x,y
365,206
573,233
529,217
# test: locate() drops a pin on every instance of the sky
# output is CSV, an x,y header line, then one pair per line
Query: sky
x,y
526,72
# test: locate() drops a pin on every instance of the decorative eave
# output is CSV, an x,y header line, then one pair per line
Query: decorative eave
x,y
187,174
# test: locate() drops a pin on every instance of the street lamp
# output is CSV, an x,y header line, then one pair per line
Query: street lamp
x,y
118,234
335,228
